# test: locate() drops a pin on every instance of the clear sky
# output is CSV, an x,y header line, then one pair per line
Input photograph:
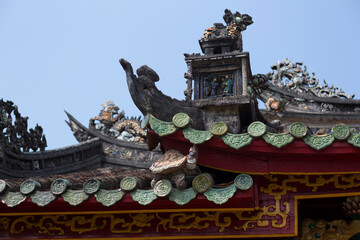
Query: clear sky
x,y
63,55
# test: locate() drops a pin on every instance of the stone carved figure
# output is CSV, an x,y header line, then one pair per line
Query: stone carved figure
x,y
293,77
219,85
175,167
117,125
228,85
15,136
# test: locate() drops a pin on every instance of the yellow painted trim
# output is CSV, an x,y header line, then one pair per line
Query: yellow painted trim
x,y
282,173
313,173
328,195
126,211
226,170
182,237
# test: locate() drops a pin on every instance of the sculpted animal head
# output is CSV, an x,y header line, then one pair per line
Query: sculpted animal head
x,y
110,107
147,72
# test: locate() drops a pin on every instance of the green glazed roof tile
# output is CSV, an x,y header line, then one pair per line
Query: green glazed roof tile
x,y
221,195
278,140
162,128
12,199
182,197
319,142
42,198
144,197
237,140
74,197
196,136
354,139
109,197
257,129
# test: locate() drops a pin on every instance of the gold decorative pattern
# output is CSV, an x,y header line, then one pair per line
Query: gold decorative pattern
x,y
56,224
267,211
223,220
279,188
201,220
240,220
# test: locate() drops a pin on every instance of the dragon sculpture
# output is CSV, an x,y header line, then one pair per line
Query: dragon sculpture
x,y
115,124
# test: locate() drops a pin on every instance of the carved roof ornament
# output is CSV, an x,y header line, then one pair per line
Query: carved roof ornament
x,y
114,124
175,166
294,77
221,39
14,135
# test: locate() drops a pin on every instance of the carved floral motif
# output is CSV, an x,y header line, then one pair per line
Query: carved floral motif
x,y
293,77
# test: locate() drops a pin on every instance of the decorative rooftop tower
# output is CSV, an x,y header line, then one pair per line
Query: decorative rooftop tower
x,y
221,76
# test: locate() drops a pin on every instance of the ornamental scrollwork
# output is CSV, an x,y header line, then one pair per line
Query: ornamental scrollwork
x,y
223,220
56,224
291,183
199,220
272,210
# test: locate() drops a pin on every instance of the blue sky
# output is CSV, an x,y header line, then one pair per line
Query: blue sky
x,y
63,55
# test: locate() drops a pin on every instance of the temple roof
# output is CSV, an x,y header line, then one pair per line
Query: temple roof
x,y
110,185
